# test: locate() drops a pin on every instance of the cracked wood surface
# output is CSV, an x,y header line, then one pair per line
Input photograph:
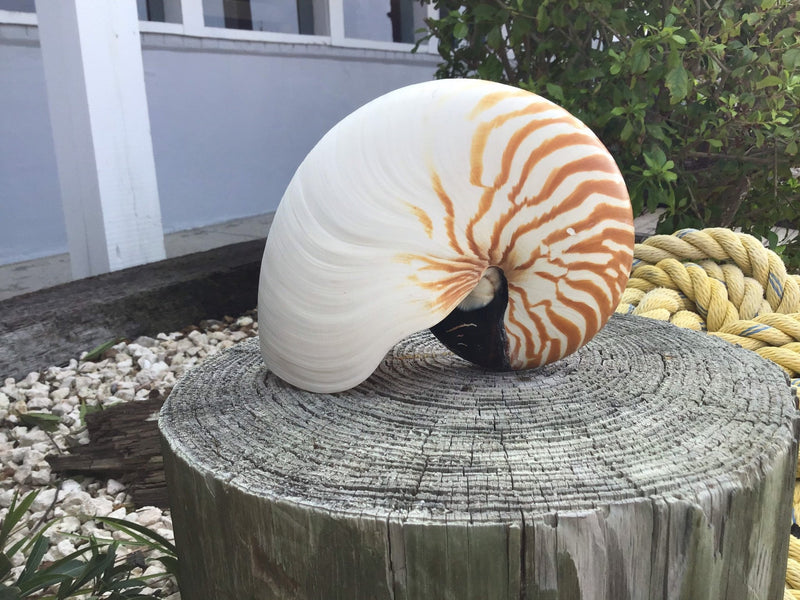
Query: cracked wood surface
x,y
654,463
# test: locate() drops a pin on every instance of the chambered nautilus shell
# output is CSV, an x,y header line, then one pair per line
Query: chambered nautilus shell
x,y
479,210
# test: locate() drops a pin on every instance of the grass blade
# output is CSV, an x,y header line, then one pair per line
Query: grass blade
x,y
15,513
9,593
34,558
142,534
5,565
63,569
98,351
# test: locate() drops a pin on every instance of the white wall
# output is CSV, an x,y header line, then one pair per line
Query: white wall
x,y
31,219
230,120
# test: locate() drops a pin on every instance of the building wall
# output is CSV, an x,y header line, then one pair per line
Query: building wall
x,y
31,219
230,121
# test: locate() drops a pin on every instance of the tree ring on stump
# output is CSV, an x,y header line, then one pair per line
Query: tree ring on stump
x,y
624,466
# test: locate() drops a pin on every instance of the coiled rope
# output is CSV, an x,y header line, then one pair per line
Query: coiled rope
x,y
729,285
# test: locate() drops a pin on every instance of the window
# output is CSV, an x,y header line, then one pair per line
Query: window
x,y
164,11
307,17
18,5
384,20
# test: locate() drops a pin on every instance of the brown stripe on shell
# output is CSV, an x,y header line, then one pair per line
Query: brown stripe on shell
x,y
447,204
573,200
527,308
492,99
554,144
485,129
476,156
423,217
576,198
459,277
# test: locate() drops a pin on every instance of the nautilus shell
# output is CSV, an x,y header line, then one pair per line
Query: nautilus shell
x,y
477,209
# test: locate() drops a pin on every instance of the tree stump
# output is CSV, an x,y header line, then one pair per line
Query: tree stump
x,y
653,463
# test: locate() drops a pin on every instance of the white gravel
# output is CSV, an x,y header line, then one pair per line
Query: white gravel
x,y
128,372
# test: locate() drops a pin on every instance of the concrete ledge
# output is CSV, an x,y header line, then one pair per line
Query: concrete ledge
x,y
51,326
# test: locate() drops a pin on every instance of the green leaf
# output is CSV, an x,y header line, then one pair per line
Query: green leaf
x,y
752,18
34,558
555,91
655,159
460,30
769,81
15,513
494,39
677,82
791,58
5,565
98,351
791,148
773,238
674,60
640,60
42,420
484,12
140,533
542,18
627,131
491,68
10,593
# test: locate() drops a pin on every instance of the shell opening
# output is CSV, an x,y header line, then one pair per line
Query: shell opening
x,y
485,290
475,329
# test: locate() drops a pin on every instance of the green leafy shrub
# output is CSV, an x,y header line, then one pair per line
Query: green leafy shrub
x,y
696,99
97,570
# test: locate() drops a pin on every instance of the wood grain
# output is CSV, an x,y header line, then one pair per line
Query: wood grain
x,y
51,326
654,463
124,442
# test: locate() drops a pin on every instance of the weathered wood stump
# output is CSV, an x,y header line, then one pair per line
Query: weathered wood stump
x,y
654,463
124,442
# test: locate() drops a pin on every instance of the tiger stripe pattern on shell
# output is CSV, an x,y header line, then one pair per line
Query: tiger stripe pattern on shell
x,y
392,219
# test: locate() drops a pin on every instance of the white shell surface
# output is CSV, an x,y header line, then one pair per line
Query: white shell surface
x,y
395,214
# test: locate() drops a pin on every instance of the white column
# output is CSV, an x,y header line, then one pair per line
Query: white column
x,y
336,15
433,43
192,16
101,130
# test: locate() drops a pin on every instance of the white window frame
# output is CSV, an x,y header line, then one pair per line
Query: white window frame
x,y
194,26
13,17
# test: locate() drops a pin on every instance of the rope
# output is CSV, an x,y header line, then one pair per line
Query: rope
x,y
729,285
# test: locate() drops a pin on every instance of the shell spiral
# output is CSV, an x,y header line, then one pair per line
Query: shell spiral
x,y
395,215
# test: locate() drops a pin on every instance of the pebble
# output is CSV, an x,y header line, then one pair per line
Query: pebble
x,y
102,506
128,372
114,487
62,549
40,476
77,503
148,516
6,496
